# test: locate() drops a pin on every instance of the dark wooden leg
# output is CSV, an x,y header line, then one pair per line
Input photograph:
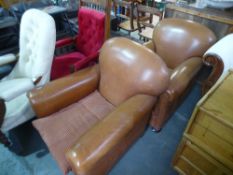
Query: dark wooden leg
x,y
4,140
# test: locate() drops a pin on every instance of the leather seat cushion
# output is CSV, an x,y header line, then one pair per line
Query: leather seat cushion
x,y
61,129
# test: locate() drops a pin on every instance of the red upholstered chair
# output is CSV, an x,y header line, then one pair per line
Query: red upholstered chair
x,y
86,45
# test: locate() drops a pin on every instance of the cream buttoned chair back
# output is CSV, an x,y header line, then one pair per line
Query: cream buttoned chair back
x,y
37,42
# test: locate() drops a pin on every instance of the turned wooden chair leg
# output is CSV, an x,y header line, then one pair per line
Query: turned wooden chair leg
x,y
4,140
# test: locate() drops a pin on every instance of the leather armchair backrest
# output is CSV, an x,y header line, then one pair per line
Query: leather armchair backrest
x,y
37,44
91,30
128,68
176,40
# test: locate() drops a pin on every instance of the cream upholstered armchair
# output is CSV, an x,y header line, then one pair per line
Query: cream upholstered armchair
x,y
37,43
98,112
220,58
181,44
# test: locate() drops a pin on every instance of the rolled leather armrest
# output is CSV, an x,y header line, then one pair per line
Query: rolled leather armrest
x,y
11,89
6,59
99,149
149,45
219,57
222,50
64,91
182,75
217,65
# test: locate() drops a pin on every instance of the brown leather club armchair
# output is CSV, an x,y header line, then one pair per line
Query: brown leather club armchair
x,y
88,119
181,44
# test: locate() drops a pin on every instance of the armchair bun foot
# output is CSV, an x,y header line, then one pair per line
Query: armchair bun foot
x,y
156,130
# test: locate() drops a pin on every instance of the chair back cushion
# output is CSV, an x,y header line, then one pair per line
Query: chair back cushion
x,y
91,31
37,44
176,40
128,68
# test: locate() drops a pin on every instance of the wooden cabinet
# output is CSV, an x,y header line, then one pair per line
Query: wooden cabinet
x,y
219,21
207,143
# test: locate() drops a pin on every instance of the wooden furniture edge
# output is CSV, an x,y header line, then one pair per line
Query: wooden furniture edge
x,y
200,14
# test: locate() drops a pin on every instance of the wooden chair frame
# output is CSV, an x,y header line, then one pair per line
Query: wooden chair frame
x,y
142,21
128,7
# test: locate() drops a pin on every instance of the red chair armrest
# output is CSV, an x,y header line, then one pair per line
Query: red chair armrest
x,y
65,45
82,63
65,41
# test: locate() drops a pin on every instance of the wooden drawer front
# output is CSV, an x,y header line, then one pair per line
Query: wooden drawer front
x,y
193,160
213,144
198,160
184,168
215,124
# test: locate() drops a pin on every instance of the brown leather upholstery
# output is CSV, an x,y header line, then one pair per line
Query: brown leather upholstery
x,y
131,77
109,139
82,116
178,40
181,44
80,84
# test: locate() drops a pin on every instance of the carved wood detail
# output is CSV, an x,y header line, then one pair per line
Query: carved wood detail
x,y
217,68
